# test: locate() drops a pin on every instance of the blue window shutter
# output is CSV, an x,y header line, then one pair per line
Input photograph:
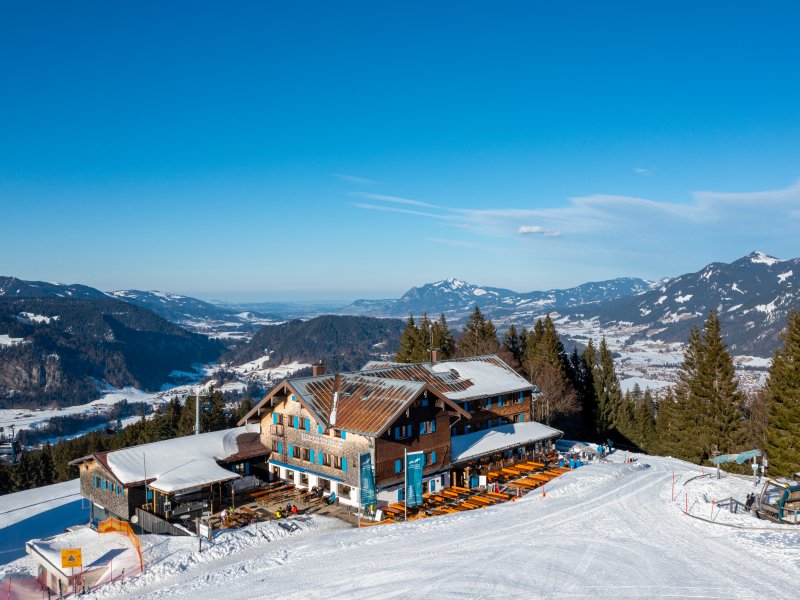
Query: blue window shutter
x,y
521,418
433,485
344,435
398,466
344,464
311,456
488,403
433,426
401,495
291,451
319,458
424,402
433,457
274,418
397,433
422,427
308,424
319,429
521,396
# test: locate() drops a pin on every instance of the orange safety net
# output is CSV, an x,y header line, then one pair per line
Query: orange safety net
x,y
114,525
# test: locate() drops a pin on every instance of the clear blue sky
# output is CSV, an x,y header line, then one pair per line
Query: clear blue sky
x,y
275,150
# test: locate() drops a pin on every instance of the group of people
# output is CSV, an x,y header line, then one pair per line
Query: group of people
x,y
290,509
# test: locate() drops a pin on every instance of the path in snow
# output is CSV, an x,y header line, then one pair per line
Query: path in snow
x,y
603,531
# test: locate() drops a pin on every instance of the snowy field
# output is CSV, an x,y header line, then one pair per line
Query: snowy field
x,y
38,513
608,530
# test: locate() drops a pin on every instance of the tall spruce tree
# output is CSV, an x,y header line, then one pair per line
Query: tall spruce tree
x,y
718,392
443,339
479,336
408,348
591,409
783,397
607,389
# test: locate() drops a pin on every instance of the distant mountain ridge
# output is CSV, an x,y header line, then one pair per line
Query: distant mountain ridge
x,y
456,299
59,350
752,295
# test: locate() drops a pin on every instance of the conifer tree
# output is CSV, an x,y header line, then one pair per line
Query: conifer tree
x,y
783,396
718,392
513,345
591,409
645,422
408,347
443,339
479,336
607,389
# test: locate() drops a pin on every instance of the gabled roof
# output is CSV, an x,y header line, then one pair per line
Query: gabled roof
x,y
367,405
457,379
480,443
182,462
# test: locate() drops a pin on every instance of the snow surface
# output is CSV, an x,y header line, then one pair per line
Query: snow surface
x,y
178,463
6,340
606,530
487,379
34,318
784,276
96,549
479,443
38,512
761,258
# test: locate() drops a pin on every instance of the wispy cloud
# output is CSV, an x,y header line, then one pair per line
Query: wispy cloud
x,y
644,171
537,230
607,224
395,200
354,179
455,243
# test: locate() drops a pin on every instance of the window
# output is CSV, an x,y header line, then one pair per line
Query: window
x,y
521,398
338,433
293,398
426,427
305,454
430,458
325,459
500,401
340,462
520,418
344,490
276,446
401,432
488,403
424,402
401,495
432,485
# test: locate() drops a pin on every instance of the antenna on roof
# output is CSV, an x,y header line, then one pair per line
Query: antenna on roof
x,y
335,399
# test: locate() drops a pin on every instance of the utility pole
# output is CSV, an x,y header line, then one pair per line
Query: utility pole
x,y
197,411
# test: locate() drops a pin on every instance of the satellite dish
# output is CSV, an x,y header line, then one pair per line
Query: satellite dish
x,y
135,519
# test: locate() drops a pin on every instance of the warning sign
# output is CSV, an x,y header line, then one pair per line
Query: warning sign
x,y
71,557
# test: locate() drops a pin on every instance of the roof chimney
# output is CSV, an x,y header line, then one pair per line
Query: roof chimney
x,y
318,369
434,356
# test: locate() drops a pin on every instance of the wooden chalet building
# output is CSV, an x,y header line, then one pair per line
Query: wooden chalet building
x,y
171,481
464,414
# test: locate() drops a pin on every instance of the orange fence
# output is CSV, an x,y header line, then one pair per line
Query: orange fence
x,y
113,525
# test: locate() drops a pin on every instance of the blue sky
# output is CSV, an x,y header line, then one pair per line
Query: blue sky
x,y
291,150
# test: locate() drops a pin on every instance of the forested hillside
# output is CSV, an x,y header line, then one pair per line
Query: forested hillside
x,y
58,349
343,343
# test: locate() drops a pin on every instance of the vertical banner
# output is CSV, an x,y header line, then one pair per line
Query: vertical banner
x,y
415,462
367,481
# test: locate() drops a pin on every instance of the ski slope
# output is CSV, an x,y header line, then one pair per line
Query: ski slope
x,y
608,530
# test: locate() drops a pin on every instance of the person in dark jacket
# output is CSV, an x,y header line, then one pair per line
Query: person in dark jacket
x,y
751,498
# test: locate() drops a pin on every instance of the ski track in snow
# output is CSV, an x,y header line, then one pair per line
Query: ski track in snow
x,y
603,531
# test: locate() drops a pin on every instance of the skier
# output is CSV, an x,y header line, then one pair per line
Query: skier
x,y
751,498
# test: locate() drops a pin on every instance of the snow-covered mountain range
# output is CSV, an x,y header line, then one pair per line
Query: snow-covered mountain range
x,y
752,295
456,299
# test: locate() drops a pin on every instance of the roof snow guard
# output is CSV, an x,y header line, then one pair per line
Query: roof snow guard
x,y
180,463
457,379
366,405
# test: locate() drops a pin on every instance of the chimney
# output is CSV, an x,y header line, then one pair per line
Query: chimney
x,y
318,369
434,356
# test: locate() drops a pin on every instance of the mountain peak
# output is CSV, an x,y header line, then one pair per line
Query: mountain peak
x,y
758,257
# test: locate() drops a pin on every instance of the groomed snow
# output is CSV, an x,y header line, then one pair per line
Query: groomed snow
x,y
96,549
478,443
606,530
178,463
38,512
487,379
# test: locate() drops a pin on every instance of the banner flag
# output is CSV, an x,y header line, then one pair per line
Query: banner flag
x,y
415,462
367,480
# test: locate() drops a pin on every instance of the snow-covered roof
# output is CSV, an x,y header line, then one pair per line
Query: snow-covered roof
x,y
96,549
479,443
179,463
457,379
